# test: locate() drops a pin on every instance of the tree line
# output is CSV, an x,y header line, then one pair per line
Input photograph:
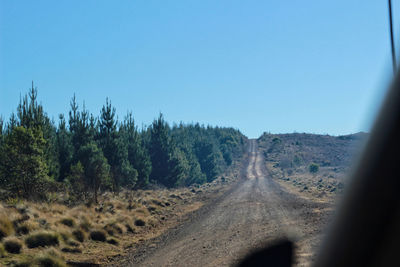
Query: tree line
x,y
84,154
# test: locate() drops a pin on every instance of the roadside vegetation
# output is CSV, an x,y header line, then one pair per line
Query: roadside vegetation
x,y
315,165
93,185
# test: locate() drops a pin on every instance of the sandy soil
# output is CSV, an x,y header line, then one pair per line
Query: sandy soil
x,y
257,210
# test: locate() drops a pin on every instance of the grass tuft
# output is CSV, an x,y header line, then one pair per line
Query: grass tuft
x,y
6,227
22,229
85,225
47,260
71,250
13,246
140,222
42,239
98,235
68,222
72,243
130,228
113,241
79,235
3,252
113,228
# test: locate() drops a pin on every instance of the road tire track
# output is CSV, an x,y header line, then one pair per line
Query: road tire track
x,y
253,213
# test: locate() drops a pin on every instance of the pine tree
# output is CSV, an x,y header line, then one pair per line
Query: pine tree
x,y
179,169
159,151
65,148
96,168
23,166
1,131
209,158
31,115
76,181
137,154
80,127
115,149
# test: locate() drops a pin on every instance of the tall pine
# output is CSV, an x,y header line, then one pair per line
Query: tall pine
x,y
115,149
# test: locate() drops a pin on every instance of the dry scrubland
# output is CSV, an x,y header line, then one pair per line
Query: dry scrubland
x,y
289,156
53,234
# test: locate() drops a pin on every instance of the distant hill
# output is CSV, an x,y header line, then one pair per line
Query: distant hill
x,y
304,148
289,158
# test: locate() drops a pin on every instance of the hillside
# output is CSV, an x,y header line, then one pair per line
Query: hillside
x,y
289,158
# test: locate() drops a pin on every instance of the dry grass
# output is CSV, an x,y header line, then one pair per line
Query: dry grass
x,y
51,234
6,226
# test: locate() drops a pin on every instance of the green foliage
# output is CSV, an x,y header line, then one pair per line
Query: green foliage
x,y
42,239
160,152
31,115
313,168
76,180
65,149
138,155
96,168
23,166
115,149
91,154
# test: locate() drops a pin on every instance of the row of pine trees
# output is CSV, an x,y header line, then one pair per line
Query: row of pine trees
x,y
85,154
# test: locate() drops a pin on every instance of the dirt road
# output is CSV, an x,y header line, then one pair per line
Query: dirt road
x,y
256,211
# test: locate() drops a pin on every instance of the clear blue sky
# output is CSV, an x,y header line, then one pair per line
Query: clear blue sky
x,y
278,66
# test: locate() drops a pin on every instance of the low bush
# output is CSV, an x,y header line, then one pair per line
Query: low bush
x,y
140,222
98,235
6,227
42,239
79,235
68,222
13,246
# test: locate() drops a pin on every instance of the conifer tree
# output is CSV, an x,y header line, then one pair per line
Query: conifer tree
x,y
23,166
96,168
65,148
31,115
114,149
137,153
159,151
